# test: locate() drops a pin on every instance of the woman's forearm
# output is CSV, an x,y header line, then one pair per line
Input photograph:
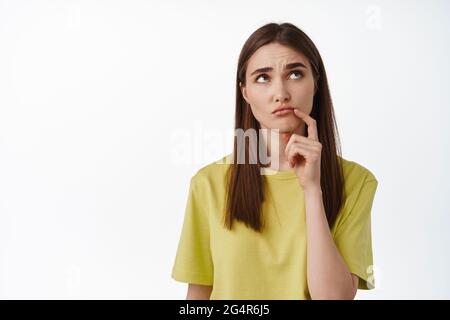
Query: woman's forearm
x,y
327,274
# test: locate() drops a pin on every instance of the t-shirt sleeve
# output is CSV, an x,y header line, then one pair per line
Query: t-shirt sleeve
x,y
193,263
353,235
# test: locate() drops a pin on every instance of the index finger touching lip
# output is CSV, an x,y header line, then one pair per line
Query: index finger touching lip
x,y
311,123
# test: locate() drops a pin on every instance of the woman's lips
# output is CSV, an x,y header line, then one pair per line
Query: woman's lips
x,y
283,111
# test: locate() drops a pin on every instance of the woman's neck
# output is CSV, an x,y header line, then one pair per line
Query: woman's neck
x,y
276,142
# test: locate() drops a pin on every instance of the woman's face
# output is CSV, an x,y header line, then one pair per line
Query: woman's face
x,y
283,85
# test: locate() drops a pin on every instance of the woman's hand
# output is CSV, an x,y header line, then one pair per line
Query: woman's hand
x,y
304,153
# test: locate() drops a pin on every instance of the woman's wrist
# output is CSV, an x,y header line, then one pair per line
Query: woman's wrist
x,y
313,190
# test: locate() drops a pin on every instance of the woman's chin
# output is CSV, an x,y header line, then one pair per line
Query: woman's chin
x,y
285,127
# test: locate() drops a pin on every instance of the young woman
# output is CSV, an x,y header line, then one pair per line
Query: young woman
x,y
301,230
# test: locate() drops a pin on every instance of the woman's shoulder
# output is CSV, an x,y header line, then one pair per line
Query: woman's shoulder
x,y
356,173
214,171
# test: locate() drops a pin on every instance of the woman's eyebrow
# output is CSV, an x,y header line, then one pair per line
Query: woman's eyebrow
x,y
288,66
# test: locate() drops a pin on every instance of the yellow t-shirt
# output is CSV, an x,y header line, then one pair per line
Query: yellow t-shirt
x,y
244,264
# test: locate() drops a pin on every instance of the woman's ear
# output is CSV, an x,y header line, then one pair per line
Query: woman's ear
x,y
243,91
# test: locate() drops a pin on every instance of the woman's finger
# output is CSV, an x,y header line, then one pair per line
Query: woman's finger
x,y
300,150
298,138
310,122
292,144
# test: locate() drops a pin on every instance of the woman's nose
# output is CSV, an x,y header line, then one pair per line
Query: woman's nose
x,y
282,96
280,93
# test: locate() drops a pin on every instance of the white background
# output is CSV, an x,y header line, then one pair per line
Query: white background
x,y
99,98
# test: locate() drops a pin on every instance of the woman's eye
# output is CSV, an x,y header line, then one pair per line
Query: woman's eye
x,y
260,77
297,72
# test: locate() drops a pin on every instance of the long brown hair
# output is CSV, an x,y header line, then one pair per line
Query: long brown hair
x,y
245,183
